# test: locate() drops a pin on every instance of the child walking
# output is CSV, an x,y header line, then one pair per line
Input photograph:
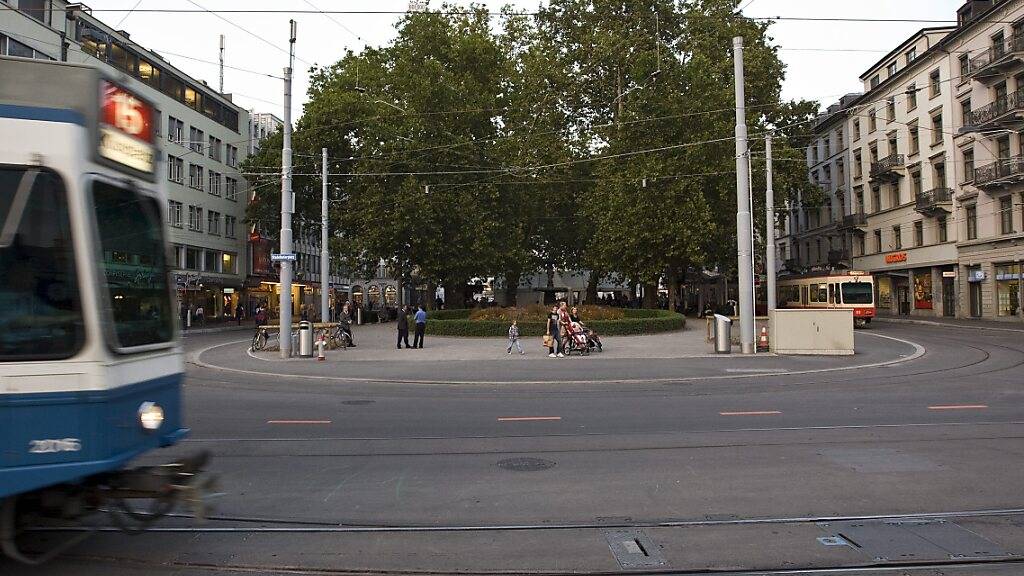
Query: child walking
x,y
513,337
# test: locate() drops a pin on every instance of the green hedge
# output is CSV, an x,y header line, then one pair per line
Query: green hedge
x,y
456,323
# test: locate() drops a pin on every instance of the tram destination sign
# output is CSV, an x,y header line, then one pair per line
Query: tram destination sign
x,y
126,131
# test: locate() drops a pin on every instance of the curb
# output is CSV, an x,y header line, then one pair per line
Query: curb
x,y
194,358
944,324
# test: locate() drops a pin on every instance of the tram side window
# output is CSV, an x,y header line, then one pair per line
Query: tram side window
x,y
133,266
40,313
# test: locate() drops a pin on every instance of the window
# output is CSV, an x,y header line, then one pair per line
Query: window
x,y
839,138
894,193
874,81
891,68
41,310
911,97
231,189
939,174
968,157
876,199
148,73
857,292
890,108
943,233
872,121
1006,215
915,186
195,139
228,262
192,257
828,146
897,238
129,224
211,263
213,222
935,82
232,153
856,128
918,233
972,222
174,213
38,9
229,226
915,138
175,130
858,195
1003,148
215,145
860,245
195,218
214,181
857,163
965,112
195,176
911,55
878,241
192,98
965,67
937,129
175,169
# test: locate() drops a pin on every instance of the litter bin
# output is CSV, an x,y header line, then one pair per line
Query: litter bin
x,y
305,339
723,334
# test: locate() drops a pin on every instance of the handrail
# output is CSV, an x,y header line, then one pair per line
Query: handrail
x,y
996,52
888,163
1002,168
1001,105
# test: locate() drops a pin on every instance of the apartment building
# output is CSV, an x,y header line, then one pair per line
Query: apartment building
x,y
814,235
989,52
204,139
261,126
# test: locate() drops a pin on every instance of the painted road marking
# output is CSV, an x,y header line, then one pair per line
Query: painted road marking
x,y
959,407
298,421
752,413
755,370
527,418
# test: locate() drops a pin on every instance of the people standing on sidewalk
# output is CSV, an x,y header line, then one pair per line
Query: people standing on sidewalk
x,y
200,316
403,327
239,312
346,322
421,326
513,338
554,331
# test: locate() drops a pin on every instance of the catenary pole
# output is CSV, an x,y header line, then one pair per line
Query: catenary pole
x,y
325,258
744,253
221,63
285,337
769,226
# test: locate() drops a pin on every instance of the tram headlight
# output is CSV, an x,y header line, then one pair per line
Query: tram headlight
x,y
151,416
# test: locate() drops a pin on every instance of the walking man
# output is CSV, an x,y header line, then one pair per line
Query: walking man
x,y
421,326
403,327
513,338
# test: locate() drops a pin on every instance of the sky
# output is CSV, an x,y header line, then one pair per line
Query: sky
x,y
824,59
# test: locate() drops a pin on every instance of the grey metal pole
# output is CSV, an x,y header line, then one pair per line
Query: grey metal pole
x,y
221,63
285,336
325,257
769,208
744,254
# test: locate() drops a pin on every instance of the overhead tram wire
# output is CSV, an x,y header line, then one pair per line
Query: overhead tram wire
x,y
218,13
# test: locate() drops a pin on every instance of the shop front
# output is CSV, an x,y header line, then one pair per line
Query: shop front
x,y
914,282
1008,289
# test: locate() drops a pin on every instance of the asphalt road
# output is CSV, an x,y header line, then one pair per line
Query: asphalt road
x,y
720,470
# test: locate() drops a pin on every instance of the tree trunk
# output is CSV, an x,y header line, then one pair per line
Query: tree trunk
x,y
673,289
591,296
650,295
512,288
453,297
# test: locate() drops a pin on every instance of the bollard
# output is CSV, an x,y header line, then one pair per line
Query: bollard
x,y
321,344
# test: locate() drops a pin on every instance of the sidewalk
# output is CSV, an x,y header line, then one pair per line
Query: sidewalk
x,y
976,323
248,325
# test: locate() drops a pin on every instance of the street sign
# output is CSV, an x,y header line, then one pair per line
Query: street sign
x,y
289,257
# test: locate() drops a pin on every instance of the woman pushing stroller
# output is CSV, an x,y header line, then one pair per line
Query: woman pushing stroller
x,y
593,340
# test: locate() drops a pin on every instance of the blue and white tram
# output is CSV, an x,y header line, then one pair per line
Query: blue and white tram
x,y
90,361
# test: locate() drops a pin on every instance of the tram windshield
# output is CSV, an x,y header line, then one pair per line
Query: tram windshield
x,y
133,265
857,292
40,315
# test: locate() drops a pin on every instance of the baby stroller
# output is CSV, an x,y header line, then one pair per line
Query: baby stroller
x,y
593,340
576,340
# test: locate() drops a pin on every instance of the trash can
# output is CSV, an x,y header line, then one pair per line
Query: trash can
x,y
305,339
723,334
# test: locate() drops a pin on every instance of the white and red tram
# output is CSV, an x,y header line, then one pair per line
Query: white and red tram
x,y
852,289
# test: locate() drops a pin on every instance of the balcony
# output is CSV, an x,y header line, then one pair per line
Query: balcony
x,y
837,257
1004,172
856,223
1005,113
888,169
793,264
995,62
934,202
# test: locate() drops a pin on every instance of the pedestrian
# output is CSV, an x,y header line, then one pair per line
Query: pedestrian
x,y
403,327
200,316
513,338
261,316
304,314
346,322
184,317
239,312
554,333
421,326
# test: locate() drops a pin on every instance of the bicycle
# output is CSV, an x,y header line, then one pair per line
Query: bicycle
x,y
259,339
339,337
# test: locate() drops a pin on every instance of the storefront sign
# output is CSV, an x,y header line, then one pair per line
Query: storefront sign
x,y
126,129
895,257
976,276
949,274
229,290
923,291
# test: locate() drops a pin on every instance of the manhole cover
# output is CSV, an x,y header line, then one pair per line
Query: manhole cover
x,y
525,464
357,402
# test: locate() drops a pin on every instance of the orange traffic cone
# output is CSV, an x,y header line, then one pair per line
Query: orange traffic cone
x,y
762,342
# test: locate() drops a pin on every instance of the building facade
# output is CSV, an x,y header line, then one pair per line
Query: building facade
x,y
933,201
261,126
204,138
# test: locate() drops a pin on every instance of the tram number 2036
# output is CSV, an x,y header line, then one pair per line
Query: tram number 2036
x,y
50,446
